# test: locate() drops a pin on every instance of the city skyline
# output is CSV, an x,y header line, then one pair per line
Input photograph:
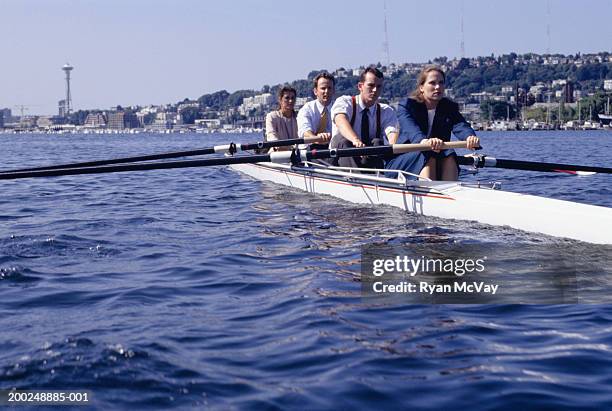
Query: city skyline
x,y
159,52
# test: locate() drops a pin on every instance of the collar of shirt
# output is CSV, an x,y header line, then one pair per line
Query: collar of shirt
x,y
363,107
321,107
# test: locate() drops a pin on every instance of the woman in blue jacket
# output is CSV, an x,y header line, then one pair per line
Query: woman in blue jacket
x,y
429,117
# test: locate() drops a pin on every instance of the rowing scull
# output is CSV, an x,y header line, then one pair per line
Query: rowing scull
x,y
453,200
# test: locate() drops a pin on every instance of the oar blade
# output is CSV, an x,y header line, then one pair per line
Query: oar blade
x,y
486,161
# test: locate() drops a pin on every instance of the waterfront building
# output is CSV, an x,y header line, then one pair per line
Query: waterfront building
x,y
146,115
300,101
116,120
142,118
44,122
187,104
539,88
95,120
28,122
6,115
50,122
342,73
480,97
119,120
390,70
62,108
260,101
164,121
213,123
558,83
577,94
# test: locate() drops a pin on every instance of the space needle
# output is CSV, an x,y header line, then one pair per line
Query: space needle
x,y
68,68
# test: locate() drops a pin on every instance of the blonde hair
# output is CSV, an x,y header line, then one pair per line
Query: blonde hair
x,y
422,78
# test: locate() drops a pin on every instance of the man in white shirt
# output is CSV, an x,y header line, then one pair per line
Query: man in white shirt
x,y
360,121
314,118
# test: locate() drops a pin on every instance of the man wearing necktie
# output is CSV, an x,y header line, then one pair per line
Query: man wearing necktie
x,y
360,121
314,117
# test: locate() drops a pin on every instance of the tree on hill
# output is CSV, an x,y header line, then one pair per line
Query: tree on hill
x,y
235,99
78,117
215,101
190,114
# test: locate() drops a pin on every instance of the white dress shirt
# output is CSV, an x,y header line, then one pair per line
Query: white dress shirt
x,y
309,117
344,105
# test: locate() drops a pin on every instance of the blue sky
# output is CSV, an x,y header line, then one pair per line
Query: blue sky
x,y
161,51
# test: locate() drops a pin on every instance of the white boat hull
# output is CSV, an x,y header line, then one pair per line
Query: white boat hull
x,y
453,200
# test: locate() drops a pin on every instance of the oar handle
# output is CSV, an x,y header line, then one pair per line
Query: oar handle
x,y
409,148
314,139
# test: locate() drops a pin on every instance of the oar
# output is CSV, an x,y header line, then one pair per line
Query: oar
x,y
294,157
481,161
226,148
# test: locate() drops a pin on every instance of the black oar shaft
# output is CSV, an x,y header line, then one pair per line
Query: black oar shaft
x,y
175,154
295,156
282,157
483,161
136,167
134,159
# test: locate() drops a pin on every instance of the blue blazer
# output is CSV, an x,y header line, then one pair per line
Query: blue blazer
x,y
412,117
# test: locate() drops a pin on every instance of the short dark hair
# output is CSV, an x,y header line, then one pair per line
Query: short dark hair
x,y
284,90
372,70
324,75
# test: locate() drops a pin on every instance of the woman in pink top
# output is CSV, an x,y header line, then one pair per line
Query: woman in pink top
x,y
281,124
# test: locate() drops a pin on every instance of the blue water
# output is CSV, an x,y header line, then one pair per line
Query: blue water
x,y
202,288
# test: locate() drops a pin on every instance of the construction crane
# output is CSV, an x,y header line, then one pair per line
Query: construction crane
x,y
22,108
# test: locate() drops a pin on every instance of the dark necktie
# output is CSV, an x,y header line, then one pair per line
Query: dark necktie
x,y
365,127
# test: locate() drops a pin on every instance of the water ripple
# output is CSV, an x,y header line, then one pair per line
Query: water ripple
x,y
204,289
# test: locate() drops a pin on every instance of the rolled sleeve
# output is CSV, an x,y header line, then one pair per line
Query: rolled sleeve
x,y
342,105
389,121
305,120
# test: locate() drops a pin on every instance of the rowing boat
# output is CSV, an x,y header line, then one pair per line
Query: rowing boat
x,y
454,200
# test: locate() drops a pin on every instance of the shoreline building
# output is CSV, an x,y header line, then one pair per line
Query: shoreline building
x,y
61,108
121,120
260,101
95,120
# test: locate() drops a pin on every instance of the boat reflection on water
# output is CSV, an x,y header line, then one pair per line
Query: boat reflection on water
x,y
331,236
325,223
